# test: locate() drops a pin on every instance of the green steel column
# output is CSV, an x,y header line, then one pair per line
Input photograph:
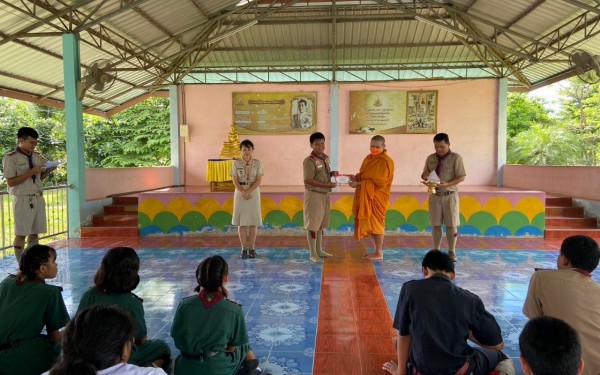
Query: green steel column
x,y
174,122
74,117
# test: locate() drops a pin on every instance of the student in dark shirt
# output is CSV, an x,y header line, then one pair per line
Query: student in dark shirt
x,y
435,318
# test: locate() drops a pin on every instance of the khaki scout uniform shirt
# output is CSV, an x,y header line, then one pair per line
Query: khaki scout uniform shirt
x,y
573,297
452,167
317,169
15,164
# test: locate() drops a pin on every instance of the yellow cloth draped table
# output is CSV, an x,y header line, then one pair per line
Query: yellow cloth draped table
x,y
219,170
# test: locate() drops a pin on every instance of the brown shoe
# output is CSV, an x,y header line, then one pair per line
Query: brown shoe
x,y
252,253
244,254
453,256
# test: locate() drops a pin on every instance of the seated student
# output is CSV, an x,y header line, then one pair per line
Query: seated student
x,y
210,330
114,281
435,318
550,346
571,294
98,341
27,304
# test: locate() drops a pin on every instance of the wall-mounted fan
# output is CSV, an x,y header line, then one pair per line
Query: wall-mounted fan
x,y
97,78
586,65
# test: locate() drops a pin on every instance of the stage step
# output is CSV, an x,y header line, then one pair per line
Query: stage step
x,y
120,219
564,233
564,220
115,220
88,232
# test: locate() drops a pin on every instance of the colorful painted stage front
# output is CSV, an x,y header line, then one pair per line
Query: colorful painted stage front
x,y
484,211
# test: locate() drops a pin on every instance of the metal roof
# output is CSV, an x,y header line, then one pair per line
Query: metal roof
x,y
151,44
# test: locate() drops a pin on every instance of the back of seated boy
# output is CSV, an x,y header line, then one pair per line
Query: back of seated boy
x,y
435,318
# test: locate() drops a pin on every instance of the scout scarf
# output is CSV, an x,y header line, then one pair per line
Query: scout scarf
x,y
440,160
29,159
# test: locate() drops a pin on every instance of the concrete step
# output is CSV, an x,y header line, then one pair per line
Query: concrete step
x,y
129,220
571,222
120,209
564,233
126,199
87,232
564,212
559,201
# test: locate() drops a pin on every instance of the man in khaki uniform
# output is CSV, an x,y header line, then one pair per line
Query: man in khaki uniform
x,y
570,293
24,171
317,185
444,205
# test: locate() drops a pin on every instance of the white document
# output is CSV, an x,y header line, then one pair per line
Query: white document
x,y
433,177
52,164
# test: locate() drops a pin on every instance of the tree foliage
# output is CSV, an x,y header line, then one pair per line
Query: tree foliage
x,y
136,137
572,138
523,112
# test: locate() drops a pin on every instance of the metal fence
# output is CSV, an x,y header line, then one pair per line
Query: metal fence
x,y
56,217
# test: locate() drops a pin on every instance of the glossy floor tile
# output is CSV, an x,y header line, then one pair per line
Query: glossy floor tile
x,y
304,318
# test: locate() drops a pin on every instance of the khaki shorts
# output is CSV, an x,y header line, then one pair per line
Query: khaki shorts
x,y
316,210
29,220
444,210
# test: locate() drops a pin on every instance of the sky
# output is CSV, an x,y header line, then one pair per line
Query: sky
x,y
550,95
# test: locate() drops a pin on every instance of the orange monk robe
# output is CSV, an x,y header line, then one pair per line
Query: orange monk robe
x,y
372,196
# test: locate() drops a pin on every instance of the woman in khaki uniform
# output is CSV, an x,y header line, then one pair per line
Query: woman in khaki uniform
x,y
246,175
27,305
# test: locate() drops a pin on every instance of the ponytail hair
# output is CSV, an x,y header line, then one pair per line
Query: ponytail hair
x,y
33,258
211,273
93,341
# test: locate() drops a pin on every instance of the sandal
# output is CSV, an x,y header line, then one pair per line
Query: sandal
x,y
252,253
244,254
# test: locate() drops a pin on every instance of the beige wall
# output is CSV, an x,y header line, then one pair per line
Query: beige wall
x,y
101,182
580,182
467,111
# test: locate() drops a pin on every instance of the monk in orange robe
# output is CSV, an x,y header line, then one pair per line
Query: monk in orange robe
x,y
372,196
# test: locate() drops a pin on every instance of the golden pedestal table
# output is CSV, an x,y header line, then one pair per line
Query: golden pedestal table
x,y
218,173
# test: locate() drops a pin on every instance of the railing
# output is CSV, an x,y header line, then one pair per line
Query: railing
x,y
56,217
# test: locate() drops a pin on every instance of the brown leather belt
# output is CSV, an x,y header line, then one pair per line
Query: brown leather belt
x,y
444,193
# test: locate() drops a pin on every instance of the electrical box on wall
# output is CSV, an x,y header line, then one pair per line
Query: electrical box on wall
x,y
184,132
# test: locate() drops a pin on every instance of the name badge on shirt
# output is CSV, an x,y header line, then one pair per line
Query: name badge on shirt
x,y
319,164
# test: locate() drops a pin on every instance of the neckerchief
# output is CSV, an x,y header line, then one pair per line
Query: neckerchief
x,y
440,160
29,159
247,167
324,162
583,272
209,299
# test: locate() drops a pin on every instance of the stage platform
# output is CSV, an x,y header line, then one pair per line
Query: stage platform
x,y
486,211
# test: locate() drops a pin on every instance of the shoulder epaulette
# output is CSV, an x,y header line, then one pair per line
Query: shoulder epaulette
x,y
57,287
12,153
235,303
137,297
188,297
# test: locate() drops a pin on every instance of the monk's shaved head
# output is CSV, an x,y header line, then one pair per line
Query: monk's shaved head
x,y
378,138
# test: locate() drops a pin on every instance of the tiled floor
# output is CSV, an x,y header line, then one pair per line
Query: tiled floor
x,y
304,318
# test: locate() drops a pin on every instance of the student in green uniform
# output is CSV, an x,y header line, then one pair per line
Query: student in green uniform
x,y
27,305
98,341
210,330
113,283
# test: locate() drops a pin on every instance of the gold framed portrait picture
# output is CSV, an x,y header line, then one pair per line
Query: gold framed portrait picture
x,y
421,112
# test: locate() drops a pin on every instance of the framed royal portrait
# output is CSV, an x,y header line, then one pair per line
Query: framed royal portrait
x,y
421,112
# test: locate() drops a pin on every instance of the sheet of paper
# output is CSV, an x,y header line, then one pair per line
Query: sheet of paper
x,y
433,177
51,164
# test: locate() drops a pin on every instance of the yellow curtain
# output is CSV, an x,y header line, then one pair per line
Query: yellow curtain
x,y
219,170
